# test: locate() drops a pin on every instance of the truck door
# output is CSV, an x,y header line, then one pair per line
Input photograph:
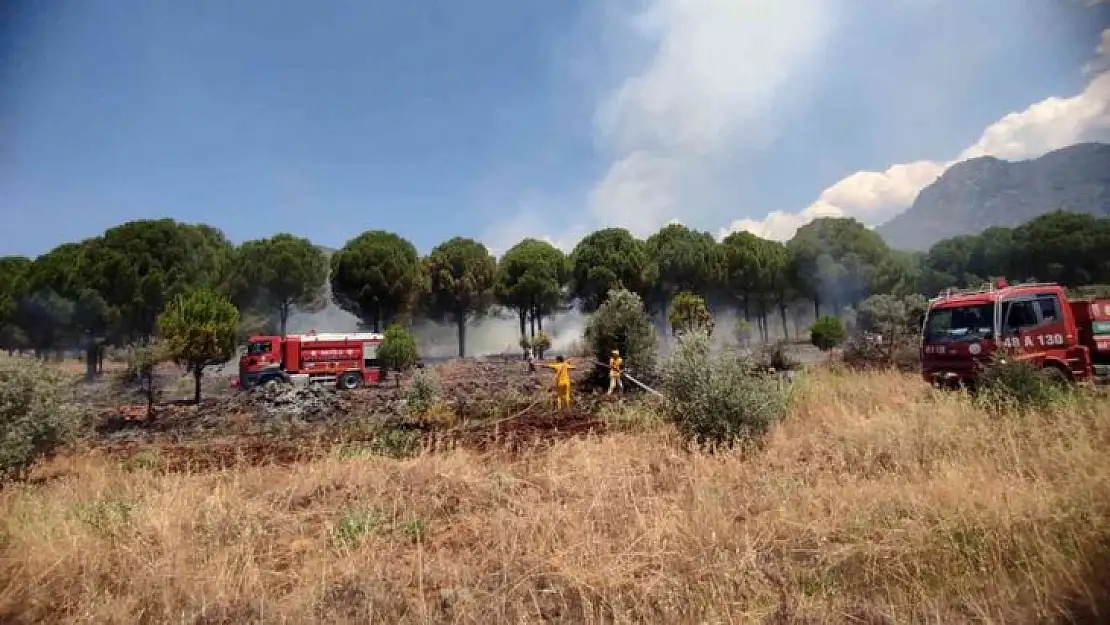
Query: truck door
x,y
371,365
1035,324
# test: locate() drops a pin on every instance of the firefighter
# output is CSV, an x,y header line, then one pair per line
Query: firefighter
x,y
616,371
562,381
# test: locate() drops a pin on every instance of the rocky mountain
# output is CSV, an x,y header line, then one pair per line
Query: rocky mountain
x,y
983,192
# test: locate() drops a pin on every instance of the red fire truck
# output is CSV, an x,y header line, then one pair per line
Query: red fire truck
x,y
1034,322
346,360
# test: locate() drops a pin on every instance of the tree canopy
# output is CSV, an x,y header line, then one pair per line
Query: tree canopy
x,y
112,288
462,275
377,277
684,260
531,279
836,260
282,273
609,259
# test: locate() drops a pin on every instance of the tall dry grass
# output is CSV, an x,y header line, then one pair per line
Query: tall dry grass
x,y
877,501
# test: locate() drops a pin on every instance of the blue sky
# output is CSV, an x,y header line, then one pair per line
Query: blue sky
x,y
495,118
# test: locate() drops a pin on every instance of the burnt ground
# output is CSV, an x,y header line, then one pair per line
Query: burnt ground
x,y
485,404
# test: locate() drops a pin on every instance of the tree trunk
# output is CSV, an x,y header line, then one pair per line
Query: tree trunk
x,y
197,373
283,316
90,361
816,307
522,315
539,321
782,313
460,320
532,317
747,311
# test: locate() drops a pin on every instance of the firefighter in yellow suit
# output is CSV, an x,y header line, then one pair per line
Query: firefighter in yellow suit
x,y
616,369
562,381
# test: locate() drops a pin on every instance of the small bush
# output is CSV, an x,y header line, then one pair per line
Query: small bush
x,y
717,400
142,359
424,391
1018,385
36,416
397,351
826,333
623,323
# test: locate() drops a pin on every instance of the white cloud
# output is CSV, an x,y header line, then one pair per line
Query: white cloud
x,y
873,197
713,81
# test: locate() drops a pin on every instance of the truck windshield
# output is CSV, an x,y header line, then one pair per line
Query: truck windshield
x,y
960,323
259,348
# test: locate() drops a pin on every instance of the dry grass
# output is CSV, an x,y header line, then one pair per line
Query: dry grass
x,y
878,501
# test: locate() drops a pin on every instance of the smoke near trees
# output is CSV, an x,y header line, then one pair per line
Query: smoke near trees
x,y
112,289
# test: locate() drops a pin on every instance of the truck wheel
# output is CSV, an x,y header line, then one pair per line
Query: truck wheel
x,y
350,381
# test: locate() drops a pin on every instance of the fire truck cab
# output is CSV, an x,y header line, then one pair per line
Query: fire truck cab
x,y
348,360
1033,322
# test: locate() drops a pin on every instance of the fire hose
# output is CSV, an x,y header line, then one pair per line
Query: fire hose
x,y
634,381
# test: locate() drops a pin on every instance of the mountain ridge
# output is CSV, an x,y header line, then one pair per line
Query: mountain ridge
x,y
987,191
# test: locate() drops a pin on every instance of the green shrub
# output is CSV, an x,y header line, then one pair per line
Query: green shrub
x,y
622,323
36,414
397,351
424,391
1019,385
717,400
826,333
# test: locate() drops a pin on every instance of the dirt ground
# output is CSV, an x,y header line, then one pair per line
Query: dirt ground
x,y
483,404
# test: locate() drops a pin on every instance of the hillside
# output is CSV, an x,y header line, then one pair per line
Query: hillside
x,y
984,192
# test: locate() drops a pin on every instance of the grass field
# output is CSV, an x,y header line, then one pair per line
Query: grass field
x,y
877,501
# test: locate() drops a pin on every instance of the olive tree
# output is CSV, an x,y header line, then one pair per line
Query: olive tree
x,y
36,413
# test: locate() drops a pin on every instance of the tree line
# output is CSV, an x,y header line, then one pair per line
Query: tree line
x,y
111,289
